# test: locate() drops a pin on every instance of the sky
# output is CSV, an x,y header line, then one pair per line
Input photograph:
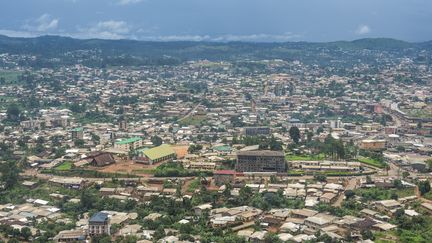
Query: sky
x,y
219,20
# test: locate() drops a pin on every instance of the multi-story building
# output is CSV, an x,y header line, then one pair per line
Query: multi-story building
x,y
373,144
256,131
77,133
99,224
129,144
261,161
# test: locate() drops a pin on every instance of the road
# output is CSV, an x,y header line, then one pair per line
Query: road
x,y
190,113
351,185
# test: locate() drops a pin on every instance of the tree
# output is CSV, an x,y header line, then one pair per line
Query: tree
x,y
275,144
95,138
79,143
13,113
294,133
320,130
245,194
367,234
9,173
349,194
398,184
320,177
271,238
88,199
194,148
424,187
26,233
156,140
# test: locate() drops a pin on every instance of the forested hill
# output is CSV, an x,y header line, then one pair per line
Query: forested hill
x,y
131,52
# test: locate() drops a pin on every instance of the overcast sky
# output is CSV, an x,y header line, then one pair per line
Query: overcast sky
x,y
219,20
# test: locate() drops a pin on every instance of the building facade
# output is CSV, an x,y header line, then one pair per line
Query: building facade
x,y
261,161
99,224
256,131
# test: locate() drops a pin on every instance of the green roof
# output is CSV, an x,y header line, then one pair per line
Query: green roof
x,y
78,129
222,148
128,140
159,152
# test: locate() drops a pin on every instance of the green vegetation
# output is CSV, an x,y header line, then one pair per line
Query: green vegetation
x,y
195,184
293,157
294,133
386,237
296,172
371,162
86,173
424,187
9,77
419,113
197,120
64,166
373,194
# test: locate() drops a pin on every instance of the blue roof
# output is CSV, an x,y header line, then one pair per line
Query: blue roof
x,y
99,218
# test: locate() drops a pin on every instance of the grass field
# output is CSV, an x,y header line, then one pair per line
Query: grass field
x,y
371,162
64,166
420,113
143,171
383,194
293,157
193,120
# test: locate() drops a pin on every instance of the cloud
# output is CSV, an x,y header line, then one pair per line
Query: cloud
x,y
127,2
226,38
42,24
110,29
15,33
363,30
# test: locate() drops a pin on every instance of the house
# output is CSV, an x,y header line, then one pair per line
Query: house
x,y
303,213
99,224
101,159
258,236
77,235
427,206
328,197
388,206
201,208
68,182
319,221
30,184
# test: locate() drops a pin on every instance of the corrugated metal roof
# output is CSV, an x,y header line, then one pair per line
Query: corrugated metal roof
x,y
159,152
